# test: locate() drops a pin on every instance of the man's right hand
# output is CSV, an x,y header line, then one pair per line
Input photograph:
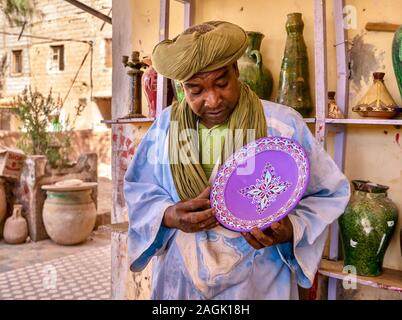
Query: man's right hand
x,y
192,215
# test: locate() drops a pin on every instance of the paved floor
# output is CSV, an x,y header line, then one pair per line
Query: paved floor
x,y
45,270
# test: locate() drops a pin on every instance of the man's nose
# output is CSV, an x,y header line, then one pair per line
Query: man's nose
x,y
213,100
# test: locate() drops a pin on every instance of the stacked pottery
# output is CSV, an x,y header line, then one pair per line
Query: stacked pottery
x,y
16,227
367,227
294,86
69,213
251,68
377,102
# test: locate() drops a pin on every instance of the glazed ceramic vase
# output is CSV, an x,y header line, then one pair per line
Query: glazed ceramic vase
x,y
367,227
251,68
294,85
69,213
150,80
3,202
333,110
377,102
16,227
397,57
178,90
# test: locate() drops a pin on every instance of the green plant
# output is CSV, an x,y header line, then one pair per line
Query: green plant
x,y
39,113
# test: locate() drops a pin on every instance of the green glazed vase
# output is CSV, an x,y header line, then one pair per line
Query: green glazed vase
x,y
251,68
294,85
367,227
397,57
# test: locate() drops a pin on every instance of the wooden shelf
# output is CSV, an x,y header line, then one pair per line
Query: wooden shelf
x,y
309,120
129,120
388,280
366,121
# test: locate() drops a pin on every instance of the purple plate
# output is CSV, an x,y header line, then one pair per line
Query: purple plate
x,y
260,183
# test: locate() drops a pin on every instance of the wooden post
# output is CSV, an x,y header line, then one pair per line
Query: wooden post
x,y
161,95
320,50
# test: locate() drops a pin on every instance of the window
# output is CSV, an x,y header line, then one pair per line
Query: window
x,y
108,53
57,62
17,62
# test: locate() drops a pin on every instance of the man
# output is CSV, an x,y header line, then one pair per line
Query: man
x,y
167,188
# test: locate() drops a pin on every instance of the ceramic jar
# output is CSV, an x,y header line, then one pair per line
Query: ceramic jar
x,y
251,68
150,80
397,57
69,213
333,110
3,200
377,102
367,227
16,227
294,85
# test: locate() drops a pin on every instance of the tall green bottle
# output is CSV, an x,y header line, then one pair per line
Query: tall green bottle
x,y
294,85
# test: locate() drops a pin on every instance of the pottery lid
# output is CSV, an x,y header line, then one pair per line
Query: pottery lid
x,y
70,185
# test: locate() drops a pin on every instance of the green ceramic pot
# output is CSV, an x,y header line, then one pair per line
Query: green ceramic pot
x,y
367,227
251,68
294,85
397,57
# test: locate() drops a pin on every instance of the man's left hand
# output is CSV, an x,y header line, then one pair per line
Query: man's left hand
x,y
278,232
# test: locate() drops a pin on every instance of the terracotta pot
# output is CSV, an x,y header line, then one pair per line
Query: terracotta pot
x,y
69,213
251,68
150,79
367,227
333,109
16,227
3,202
294,85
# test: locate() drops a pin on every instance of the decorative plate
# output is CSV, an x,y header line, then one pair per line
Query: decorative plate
x,y
260,183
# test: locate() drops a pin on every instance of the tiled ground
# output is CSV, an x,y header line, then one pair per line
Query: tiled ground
x,y
77,276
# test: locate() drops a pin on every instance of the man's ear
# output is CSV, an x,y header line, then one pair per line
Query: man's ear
x,y
236,69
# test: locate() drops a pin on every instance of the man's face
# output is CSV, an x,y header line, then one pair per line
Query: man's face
x,y
213,95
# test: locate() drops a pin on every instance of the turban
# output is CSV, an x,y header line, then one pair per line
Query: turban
x,y
201,48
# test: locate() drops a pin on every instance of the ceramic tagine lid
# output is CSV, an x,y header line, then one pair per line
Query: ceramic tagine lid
x,y
377,102
260,183
70,185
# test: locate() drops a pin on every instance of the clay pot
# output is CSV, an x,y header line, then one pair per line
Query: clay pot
x,y
69,213
150,80
251,68
377,102
367,227
16,227
3,202
333,109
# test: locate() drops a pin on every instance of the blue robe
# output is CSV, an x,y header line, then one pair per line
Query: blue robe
x,y
220,264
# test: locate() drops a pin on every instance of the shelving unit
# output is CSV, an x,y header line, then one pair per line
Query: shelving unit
x,y
388,280
129,120
331,268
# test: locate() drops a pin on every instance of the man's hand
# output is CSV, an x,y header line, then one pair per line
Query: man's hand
x,y
278,232
191,215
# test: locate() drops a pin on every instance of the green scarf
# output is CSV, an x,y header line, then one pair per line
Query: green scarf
x,y
189,177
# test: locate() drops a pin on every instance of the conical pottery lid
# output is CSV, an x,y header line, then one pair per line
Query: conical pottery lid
x,y
70,185
378,97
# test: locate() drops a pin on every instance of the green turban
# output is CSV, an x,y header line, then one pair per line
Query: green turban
x,y
202,48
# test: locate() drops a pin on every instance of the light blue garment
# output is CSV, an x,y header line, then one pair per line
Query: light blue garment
x,y
220,264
